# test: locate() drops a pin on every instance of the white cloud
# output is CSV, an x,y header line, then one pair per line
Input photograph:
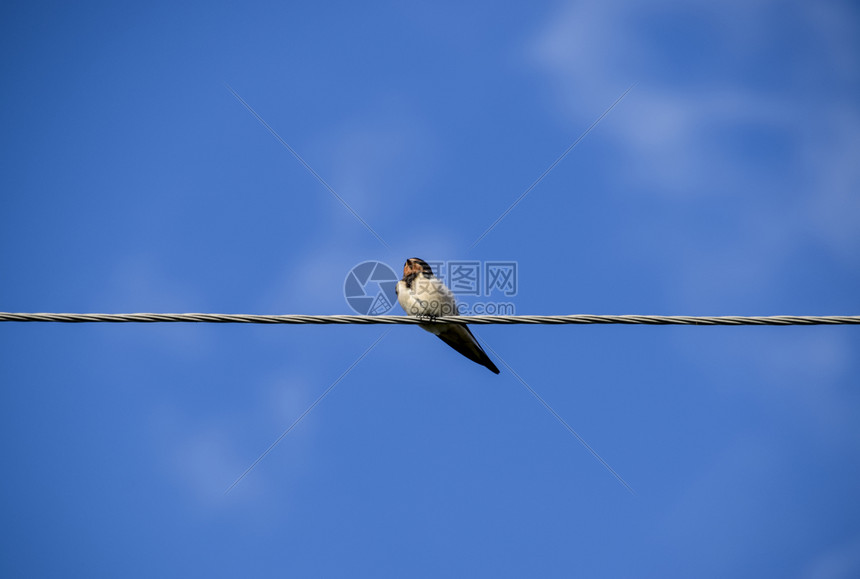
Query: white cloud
x,y
839,562
205,460
682,135
832,203
201,459
204,456
375,153
140,284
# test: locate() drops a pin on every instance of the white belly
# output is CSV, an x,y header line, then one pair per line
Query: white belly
x,y
426,297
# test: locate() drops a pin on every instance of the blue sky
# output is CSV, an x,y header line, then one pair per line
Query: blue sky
x,y
726,182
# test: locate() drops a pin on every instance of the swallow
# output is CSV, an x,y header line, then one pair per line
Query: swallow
x,y
420,293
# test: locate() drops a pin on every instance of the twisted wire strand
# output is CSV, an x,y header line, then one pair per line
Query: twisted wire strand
x,y
356,319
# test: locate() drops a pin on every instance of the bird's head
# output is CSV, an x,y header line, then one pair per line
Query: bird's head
x,y
414,266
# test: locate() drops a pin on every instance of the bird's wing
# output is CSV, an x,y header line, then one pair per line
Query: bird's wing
x,y
459,337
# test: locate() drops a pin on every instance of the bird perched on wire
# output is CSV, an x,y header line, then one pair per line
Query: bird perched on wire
x,y
420,293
